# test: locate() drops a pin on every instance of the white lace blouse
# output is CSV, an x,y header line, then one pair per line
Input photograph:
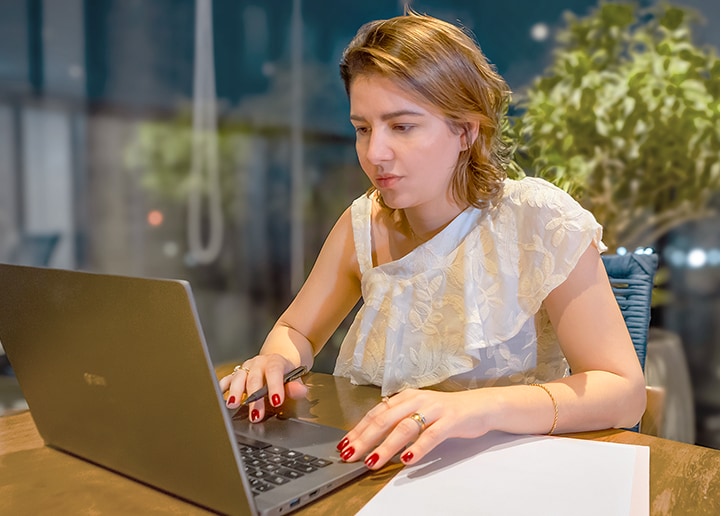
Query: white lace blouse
x,y
463,310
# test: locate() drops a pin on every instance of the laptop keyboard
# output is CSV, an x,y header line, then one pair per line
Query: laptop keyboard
x,y
268,466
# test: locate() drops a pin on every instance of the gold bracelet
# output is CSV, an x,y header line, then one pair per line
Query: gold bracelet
x,y
555,405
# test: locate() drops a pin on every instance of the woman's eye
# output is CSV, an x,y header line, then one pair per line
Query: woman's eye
x,y
361,130
402,128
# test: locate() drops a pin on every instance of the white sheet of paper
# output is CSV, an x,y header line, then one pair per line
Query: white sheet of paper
x,y
519,475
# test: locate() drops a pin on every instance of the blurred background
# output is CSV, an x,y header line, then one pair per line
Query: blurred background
x,y
210,141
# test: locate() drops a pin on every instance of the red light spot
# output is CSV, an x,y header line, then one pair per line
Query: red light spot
x,y
155,217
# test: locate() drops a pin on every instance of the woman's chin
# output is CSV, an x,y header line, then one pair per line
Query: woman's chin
x,y
393,202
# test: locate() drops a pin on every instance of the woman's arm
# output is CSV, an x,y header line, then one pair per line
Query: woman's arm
x,y
606,388
325,299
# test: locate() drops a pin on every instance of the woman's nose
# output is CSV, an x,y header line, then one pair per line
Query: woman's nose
x,y
378,148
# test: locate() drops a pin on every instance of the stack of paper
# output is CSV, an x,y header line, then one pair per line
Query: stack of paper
x,y
504,474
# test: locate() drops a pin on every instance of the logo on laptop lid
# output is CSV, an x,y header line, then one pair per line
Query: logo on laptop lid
x,y
95,380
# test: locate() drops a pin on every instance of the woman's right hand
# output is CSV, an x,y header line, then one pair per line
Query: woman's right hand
x,y
255,372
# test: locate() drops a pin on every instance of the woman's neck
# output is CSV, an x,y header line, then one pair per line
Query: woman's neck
x,y
422,225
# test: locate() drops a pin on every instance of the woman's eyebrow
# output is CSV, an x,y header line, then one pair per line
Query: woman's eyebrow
x,y
389,116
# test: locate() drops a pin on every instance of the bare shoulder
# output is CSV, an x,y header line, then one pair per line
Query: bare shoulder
x,y
343,228
339,247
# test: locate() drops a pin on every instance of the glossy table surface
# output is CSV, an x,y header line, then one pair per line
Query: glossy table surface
x,y
35,479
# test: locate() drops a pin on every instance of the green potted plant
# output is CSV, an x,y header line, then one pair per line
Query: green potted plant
x,y
626,119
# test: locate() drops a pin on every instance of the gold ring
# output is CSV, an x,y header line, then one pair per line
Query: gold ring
x,y
385,399
239,367
420,421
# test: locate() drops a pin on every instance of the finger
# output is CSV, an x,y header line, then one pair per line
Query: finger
x,y
296,389
375,426
374,419
276,388
236,387
255,381
382,418
431,437
405,432
347,445
224,383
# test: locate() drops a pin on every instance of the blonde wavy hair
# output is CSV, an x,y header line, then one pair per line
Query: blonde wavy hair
x,y
442,65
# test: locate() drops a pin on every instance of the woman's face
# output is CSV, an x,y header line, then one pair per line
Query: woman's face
x,y
406,148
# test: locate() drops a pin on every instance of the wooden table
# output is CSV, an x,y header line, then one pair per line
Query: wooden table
x,y
35,479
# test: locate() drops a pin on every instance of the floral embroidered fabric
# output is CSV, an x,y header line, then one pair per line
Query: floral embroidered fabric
x,y
464,309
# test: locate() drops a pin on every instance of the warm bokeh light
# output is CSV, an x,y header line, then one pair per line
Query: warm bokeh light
x,y
155,217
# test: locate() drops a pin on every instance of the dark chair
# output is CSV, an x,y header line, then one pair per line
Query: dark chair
x,y
631,277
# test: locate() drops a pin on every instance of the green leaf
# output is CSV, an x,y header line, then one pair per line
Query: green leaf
x,y
673,18
626,119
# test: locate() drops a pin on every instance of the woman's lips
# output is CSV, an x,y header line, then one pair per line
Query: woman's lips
x,y
387,181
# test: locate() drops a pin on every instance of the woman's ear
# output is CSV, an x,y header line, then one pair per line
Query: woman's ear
x,y
469,133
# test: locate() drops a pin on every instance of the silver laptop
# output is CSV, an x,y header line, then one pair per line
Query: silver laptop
x,y
116,370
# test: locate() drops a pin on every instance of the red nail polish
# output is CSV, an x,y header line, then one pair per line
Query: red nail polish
x,y
231,400
275,400
342,444
347,453
407,456
254,415
371,460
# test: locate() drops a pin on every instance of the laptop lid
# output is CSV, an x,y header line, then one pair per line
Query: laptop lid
x,y
115,370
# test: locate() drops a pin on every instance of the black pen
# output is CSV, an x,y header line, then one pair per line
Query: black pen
x,y
289,377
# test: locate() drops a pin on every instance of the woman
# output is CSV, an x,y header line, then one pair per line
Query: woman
x,y
482,288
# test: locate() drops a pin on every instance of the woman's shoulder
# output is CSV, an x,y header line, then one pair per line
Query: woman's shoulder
x,y
536,200
363,201
539,211
367,211
535,191
362,208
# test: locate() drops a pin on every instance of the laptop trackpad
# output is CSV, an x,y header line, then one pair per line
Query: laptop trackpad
x,y
288,433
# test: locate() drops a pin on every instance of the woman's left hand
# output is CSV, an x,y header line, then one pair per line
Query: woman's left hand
x,y
417,419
